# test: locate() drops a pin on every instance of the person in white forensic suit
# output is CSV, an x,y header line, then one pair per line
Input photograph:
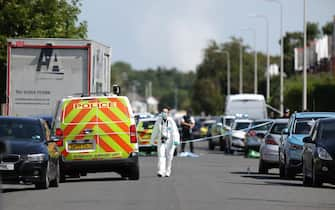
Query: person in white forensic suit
x,y
167,135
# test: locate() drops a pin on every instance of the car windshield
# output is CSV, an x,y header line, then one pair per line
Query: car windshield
x,y
265,127
241,125
20,130
327,132
277,128
229,122
148,124
303,126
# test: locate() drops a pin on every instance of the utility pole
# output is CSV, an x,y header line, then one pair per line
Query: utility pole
x,y
304,103
241,68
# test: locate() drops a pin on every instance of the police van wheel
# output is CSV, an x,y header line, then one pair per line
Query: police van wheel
x,y
62,178
134,173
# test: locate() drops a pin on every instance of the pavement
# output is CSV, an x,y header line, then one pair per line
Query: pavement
x,y
211,181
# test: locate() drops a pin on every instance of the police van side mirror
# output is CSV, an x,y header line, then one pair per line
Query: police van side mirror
x,y
116,90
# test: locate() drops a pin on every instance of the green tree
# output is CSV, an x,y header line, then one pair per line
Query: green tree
x,y
328,28
295,39
313,31
167,84
291,40
214,68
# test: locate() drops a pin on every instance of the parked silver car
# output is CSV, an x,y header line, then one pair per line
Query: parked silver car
x,y
269,156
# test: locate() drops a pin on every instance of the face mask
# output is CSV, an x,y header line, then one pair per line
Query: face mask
x,y
164,115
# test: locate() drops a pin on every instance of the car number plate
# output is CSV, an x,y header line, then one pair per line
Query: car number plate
x,y
6,166
80,146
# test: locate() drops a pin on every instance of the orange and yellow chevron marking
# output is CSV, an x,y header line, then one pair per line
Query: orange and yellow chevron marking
x,y
116,138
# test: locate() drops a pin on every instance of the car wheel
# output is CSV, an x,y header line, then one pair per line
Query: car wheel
x,y
289,174
44,184
281,170
222,145
210,144
316,181
134,173
55,182
262,169
306,181
246,152
62,177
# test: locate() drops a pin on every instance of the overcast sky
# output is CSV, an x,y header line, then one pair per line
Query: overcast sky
x,y
173,33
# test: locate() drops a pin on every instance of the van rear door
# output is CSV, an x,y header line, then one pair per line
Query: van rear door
x,y
114,128
79,125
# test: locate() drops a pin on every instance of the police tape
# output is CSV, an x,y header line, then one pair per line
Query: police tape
x,y
229,133
202,139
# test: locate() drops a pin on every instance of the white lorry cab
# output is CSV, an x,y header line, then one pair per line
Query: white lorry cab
x,y
251,105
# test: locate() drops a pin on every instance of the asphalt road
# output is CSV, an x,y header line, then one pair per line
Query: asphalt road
x,y
211,181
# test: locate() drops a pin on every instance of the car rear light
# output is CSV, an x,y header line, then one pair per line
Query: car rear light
x,y
133,137
59,134
252,133
271,141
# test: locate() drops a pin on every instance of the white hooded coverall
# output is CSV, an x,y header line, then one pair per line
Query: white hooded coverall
x,y
165,150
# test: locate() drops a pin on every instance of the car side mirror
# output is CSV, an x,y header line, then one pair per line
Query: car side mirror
x,y
307,139
285,131
53,139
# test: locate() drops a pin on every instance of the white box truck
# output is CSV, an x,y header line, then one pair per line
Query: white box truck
x,y
41,71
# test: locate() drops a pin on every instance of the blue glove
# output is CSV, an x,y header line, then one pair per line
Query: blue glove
x,y
175,143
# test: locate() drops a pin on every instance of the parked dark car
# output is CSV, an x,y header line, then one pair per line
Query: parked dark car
x,y
32,156
319,154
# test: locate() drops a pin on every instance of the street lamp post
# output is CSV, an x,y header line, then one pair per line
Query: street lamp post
x,y
265,18
241,68
281,56
304,103
228,71
255,59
